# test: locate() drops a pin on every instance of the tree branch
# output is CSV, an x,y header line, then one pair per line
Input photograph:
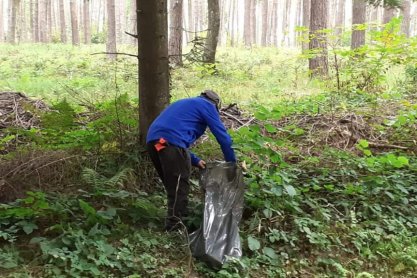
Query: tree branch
x,y
116,53
136,36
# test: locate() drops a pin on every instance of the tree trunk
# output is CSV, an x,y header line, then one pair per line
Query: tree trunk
x,y
389,13
153,62
212,39
12,27
318,40
175,39
87,25
111,29
36,21
359,18
406,10
232,22
253,22
74,23
247,25
133,23
49,20
274,18
63,26
306,20
1,22
340,19
264,22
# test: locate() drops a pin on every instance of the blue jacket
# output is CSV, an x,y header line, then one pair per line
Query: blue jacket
x,y
184,121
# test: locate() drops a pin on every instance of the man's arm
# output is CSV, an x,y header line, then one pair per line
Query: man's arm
x,y
216,126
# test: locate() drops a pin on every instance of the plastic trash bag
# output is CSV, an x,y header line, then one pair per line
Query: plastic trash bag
x,y
218,236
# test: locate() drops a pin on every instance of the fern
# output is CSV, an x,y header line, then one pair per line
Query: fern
x,y
95,179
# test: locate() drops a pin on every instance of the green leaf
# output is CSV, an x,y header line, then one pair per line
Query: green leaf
x,y
290,190
253,243
363,143
87,209
28,227
270,128
270,252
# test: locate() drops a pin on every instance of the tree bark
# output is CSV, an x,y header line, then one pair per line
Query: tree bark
x,y
389,13
1,22
212,39
274,18
87,25
175,38
340,19
247,25
111,29
306,20
253,22
133,23
12,27
359,18
36,21
74,23
318,64
265,24
406,11
63,26
49,20
153,62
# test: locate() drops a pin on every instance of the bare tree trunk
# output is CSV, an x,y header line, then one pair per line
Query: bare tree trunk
x,y
175,39
340,19
63,25
212,39
36,21
265,24
153,62
406,10
111,29
87,25
133,23
306,20
285,22
12,27
318,64
389,13
253,22
274,19
247,25
120,10
359,17
74,23
233,22
1,22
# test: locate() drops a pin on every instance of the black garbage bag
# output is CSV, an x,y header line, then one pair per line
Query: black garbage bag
x,y
218,236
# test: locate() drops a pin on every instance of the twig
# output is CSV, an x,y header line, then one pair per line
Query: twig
x,y
136,36
233,117
116,53
377,145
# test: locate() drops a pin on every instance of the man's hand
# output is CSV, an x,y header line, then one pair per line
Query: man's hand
x,y
202,164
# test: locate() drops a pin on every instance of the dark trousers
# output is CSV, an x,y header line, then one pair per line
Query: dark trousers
x,y
173,165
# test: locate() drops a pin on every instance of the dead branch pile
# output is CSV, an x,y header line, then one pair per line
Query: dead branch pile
x,y
341,132
233,118
17,110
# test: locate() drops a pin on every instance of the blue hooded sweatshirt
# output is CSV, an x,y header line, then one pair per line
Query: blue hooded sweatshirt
x,y
184,121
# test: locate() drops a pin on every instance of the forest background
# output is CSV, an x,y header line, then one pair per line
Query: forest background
x,y
322,111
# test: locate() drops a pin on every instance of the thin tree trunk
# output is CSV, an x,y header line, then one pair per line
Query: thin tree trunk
x,y
74,23
63,25
233,22
306,20
175,39
153,62
1,22
49,19
133,23
318,64
359,18
12,27
340,19
36,21
253,22
406,10
274,18
247,23
111,29
265,24
389,13
213,32
87,26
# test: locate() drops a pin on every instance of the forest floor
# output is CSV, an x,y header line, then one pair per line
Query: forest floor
x,y
331,172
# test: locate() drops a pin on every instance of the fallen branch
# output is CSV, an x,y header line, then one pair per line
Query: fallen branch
x,y
377,145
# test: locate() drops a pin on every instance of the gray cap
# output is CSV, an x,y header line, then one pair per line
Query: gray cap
x,y
212,97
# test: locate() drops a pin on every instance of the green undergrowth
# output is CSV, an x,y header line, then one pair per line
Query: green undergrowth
x,y
330,171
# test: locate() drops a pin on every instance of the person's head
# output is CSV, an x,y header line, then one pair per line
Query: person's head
x,y
213,97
